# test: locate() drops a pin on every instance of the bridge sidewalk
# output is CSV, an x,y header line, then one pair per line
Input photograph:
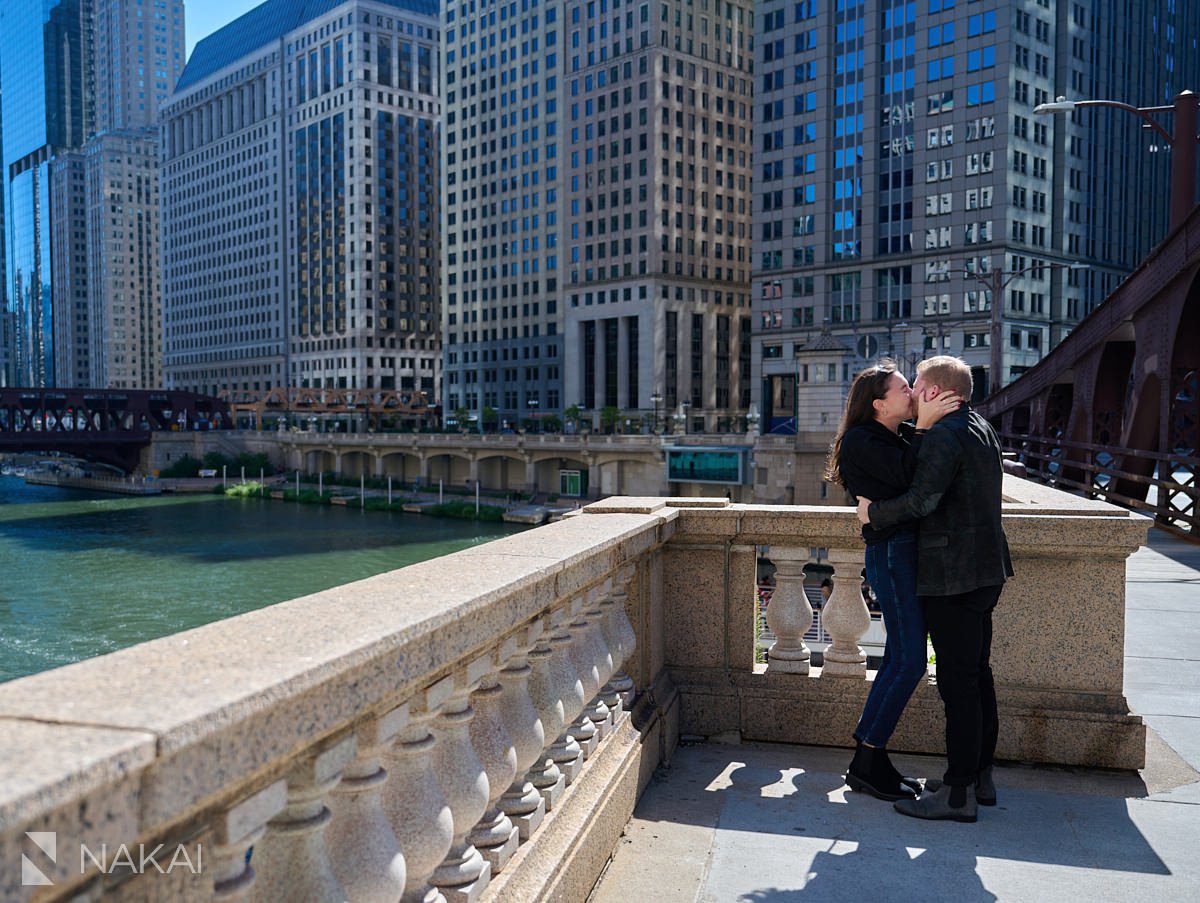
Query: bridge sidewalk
x,y
772,823
1162,640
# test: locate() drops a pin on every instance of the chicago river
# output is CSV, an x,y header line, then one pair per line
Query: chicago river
x,y
86,574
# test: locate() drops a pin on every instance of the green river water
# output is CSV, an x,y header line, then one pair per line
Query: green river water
x,y
85,574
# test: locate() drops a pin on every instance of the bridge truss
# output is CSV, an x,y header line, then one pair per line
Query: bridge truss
x,y
1113,411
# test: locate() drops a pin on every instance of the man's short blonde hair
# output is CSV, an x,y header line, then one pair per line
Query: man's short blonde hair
x,y
948,372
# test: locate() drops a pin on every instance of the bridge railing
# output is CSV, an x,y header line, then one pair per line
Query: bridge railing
x,y
465,724
403,731
1162,485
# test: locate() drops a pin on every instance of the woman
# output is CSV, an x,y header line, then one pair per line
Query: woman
x,y
874,454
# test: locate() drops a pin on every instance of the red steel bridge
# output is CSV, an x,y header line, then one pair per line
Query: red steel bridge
x,y
111,426
1112,412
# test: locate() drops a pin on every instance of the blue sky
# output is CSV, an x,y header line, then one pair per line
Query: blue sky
x,y
203,17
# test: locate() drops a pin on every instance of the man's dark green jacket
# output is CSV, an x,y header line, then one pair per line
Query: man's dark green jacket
x,y
955,494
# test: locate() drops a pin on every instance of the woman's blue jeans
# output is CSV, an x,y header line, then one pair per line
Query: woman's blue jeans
x,y
892,573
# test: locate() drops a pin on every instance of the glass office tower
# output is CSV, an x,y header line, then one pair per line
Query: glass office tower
x,y
43,70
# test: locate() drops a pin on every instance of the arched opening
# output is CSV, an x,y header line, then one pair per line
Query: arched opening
x,y
357,464
319,461
402,466
453,470
630,477
1049,454
503,473
1141,434
1183,424
1112,390
1020,420
563,477
1185,362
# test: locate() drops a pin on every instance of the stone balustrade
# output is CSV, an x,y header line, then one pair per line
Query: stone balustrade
x,y
479,727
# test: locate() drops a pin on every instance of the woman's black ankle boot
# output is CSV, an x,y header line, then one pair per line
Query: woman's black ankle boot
x,y
913,784
871,772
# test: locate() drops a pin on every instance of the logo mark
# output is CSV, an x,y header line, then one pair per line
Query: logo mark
x,y
31,874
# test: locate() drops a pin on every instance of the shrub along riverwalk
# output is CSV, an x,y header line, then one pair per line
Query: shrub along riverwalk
x,y
375,500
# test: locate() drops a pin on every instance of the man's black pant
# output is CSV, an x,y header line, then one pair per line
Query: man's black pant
x,y
961,629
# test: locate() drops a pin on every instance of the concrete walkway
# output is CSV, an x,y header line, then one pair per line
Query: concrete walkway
x,y
1162,641
770,823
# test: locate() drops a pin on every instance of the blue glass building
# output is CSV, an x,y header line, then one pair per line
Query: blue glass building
x,y
46,107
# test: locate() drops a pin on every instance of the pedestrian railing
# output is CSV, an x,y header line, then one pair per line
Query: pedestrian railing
x,y
1164,486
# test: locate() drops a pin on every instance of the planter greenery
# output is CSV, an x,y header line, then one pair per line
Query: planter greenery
x,y
609,418
185,467
250,489
465,511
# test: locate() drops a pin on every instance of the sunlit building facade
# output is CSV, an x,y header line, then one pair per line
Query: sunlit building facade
x,y
300,199
902,175
597,209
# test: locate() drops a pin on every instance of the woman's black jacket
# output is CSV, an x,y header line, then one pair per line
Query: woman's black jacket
x,y
878,464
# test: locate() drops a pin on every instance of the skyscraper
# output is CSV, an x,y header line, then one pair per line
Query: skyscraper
x,y
903,177
44,69
597,207
300,201
74,72
115,335
124,318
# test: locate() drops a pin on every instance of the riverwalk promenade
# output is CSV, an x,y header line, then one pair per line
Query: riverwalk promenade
x,y
773,823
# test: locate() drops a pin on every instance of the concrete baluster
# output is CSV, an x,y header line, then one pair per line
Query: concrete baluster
x,y
366,855
543,693
415,804
565,750
622,639
236,830
464,873
594,663
598,616
789,614
522,802
845,616
495,836
292,858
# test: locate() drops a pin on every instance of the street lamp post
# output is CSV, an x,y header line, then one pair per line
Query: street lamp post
x,y
752,419
1182,141
532,404
997,280
680,417
657,399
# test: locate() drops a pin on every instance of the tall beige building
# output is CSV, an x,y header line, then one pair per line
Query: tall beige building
x,y
300,199
597,208
106,267
124,268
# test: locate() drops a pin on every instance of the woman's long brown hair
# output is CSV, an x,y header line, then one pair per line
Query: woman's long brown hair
x,y
868,385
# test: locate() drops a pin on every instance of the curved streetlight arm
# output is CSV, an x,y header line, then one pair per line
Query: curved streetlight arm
x,y
1182,141
1140,112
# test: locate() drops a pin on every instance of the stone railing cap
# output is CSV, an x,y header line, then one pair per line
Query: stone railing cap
x,y
61,763
211,706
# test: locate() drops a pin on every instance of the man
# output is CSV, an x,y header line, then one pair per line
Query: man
x,y
962,563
